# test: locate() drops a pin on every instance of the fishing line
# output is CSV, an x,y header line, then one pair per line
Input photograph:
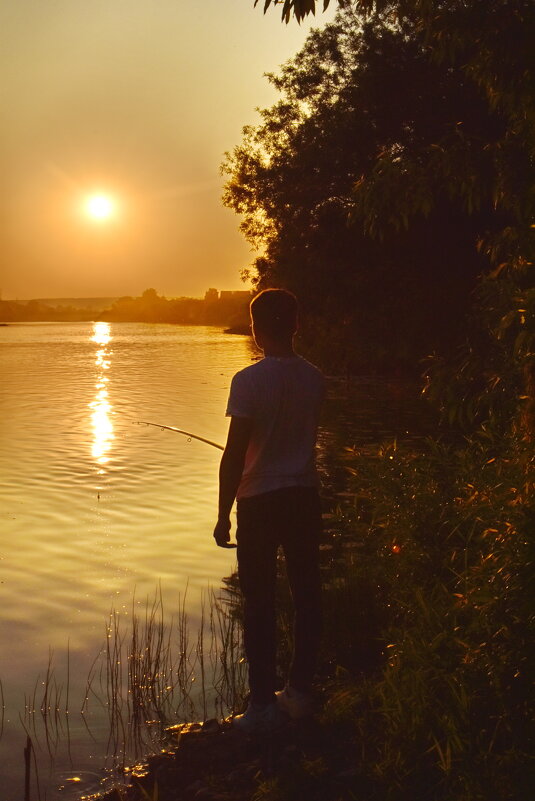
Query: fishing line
x,y
187,434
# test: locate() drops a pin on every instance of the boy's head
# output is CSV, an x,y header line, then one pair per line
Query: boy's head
x,y
274,314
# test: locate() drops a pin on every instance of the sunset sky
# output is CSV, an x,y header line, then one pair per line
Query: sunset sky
x,y
115,118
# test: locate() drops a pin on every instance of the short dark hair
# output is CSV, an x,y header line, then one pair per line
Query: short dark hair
x,y
274,312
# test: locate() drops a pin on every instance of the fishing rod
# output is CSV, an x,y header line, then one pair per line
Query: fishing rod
x,y
187,434
190,436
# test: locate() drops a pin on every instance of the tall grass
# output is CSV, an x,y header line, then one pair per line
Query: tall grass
x,y
151,673
447,554
2,709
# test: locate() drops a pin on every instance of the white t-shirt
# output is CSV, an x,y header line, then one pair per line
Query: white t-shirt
x,y
282,396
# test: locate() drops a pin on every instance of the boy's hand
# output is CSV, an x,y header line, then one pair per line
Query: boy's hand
x,y
222,534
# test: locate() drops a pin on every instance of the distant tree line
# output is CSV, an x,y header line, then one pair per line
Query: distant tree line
x,y
36,311
226,308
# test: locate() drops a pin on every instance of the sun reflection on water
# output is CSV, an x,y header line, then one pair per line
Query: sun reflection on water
x,y
102,410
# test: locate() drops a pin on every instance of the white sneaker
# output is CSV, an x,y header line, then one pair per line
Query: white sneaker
x,y
295,703
259,719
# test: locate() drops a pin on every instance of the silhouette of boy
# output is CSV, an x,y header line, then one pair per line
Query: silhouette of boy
x,y
268,465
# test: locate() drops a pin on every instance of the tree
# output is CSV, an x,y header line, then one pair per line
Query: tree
x,y
488,44
357,93
298,8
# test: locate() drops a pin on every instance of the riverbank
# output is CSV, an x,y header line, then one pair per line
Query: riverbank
x,y
425,689
213,762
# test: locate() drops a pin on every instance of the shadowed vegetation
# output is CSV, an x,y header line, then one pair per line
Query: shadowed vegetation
x,y
394,171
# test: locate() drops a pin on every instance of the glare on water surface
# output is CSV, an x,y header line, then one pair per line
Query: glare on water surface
x,y
101,333
102,410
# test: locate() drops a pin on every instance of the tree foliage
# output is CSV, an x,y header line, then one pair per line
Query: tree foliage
x,y
298,8
473,164
490,44
333,186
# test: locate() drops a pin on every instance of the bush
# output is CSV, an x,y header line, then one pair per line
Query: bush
x,y
449,550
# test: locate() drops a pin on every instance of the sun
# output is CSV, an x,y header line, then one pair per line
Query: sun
x,y
100,207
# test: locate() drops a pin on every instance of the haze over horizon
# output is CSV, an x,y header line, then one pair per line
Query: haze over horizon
x,y
119,117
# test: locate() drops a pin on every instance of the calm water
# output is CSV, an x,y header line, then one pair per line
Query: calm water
x,y
94,508
96,511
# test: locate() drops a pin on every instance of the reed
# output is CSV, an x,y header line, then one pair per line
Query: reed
x,y
155,675
228,666
27,767
44,714
150,674
29,754
2,709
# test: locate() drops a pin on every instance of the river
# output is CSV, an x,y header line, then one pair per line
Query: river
x,y
98,512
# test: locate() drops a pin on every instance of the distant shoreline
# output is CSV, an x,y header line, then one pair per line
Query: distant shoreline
x,y
229,309
238,330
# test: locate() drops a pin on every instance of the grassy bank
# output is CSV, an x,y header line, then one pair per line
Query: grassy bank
x,y
448,549
425,678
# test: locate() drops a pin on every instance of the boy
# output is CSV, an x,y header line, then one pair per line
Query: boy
x,y
269,466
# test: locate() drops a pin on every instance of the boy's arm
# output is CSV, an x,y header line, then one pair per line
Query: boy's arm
x,y
230,473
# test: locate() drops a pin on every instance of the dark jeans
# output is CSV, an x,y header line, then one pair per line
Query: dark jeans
x,y
291,518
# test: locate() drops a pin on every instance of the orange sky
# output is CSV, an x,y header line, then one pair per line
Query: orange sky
x,y
138,99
